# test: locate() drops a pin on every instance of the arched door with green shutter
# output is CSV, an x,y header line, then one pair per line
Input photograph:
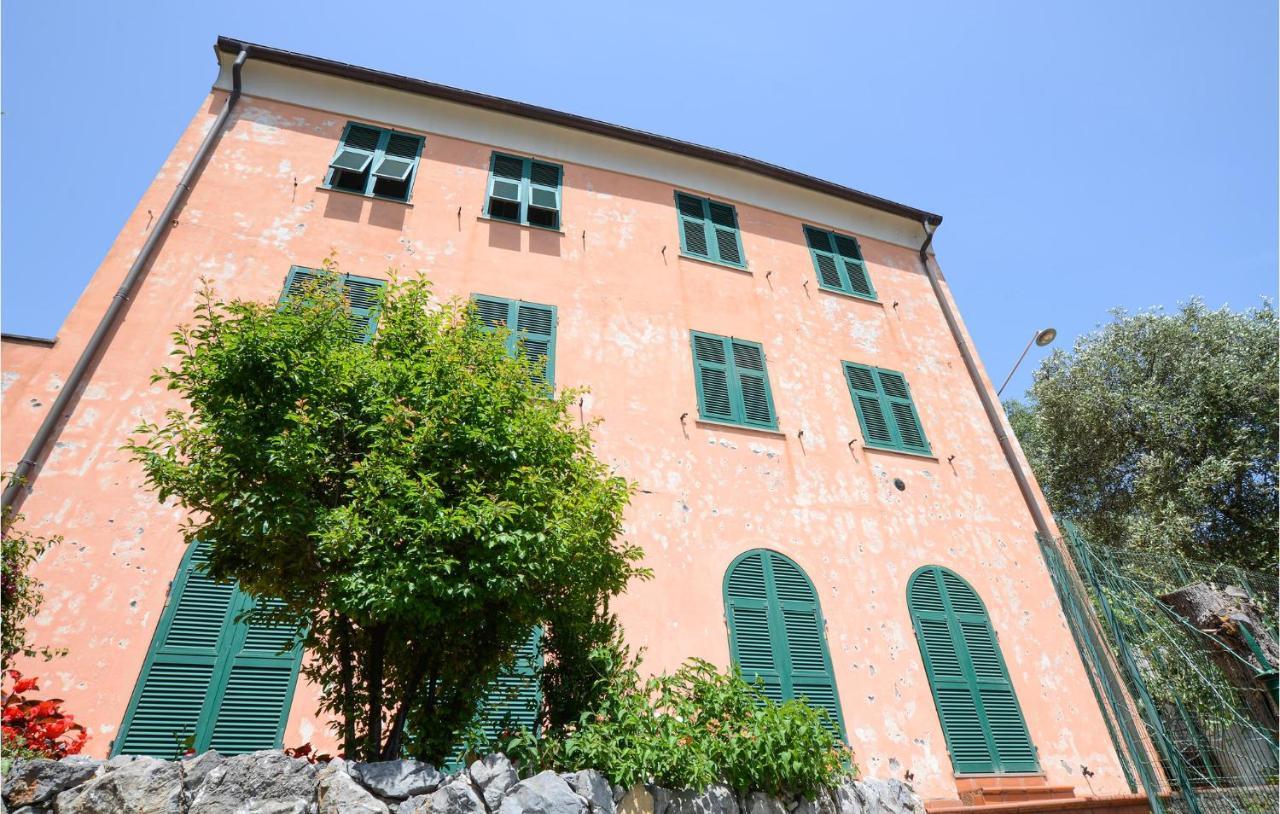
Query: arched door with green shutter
x,y
776,631
980,716
212,679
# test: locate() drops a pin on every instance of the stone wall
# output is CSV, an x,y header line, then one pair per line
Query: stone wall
x,y
270,782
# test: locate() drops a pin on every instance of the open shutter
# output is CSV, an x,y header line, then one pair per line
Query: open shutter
x,y
857,280
362,300
751,640
536,325
506,180
169,706
981,720
753,384
711,362
809,662
349,168
298,281
399,157
866,400
724,225
544,195
515,697
908,434
693,225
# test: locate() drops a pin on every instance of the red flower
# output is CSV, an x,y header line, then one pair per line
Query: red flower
x,y
41,725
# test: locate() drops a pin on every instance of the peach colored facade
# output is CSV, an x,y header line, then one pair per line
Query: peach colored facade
x,y
625,308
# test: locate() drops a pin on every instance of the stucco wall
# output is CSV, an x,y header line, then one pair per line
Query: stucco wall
x,y
706,493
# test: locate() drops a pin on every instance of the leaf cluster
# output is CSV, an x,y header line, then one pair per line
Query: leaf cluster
x,y
692,728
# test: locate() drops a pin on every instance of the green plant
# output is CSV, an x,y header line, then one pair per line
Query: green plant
x,y
416,503
691,728
20,592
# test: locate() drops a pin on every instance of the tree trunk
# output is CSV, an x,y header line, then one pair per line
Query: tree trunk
x,y
392,749
374,680
1221,611
348,671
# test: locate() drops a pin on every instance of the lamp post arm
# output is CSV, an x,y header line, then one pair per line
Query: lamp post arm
x,y
1015,364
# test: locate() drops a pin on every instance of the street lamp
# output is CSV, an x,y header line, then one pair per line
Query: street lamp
x,y
1041,338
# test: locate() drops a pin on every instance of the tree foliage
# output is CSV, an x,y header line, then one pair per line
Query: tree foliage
x,y
416,504
1158,432
20,592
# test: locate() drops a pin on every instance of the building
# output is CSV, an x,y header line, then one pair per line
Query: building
x,y
825,496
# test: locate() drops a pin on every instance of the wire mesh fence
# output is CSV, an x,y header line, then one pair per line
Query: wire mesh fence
x,y
1203,694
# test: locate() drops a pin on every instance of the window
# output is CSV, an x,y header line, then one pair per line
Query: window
x,y
837,260
980,716
211,674
361,294
533,331
709,230
732,382
776,631
885,409
512,701
374,161
523,190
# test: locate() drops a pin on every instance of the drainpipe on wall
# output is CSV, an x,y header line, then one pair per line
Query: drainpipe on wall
x,y
25,472
993,410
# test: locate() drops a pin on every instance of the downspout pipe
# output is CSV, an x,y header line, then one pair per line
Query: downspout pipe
x,y
994,414
25,472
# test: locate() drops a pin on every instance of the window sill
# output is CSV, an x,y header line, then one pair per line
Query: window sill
x,y
848,295
716,263
928,456
519,225
363,196
710,423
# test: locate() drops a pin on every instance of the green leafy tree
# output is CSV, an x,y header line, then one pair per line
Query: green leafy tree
x,y
1158,432
416,504
20,592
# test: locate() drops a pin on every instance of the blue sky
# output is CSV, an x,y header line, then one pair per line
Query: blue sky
x,y
1085,155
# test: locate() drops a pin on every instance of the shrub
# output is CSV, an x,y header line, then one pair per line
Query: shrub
x,y
34,728
20,592
695,727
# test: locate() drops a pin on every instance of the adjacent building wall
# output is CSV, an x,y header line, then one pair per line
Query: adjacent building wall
x,y
626,306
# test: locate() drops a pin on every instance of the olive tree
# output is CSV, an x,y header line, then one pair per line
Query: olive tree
x,y
1158,432
417,504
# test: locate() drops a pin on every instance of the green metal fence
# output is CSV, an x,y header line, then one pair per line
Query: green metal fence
x,y
1213,730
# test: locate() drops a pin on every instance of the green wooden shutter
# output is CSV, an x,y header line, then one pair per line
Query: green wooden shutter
x,y
908,434
711,363
349,168
512,701
533,334
824,258
837,260
866,401
732,381
980,716
254,705
856,279
693,226
886,411
506,182
752,382
724,226
544,195
747,609
169,701
394,164
536,325
776,631
360,293
210,676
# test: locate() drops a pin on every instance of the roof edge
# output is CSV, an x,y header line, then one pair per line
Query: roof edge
x,y
231,45
28,340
